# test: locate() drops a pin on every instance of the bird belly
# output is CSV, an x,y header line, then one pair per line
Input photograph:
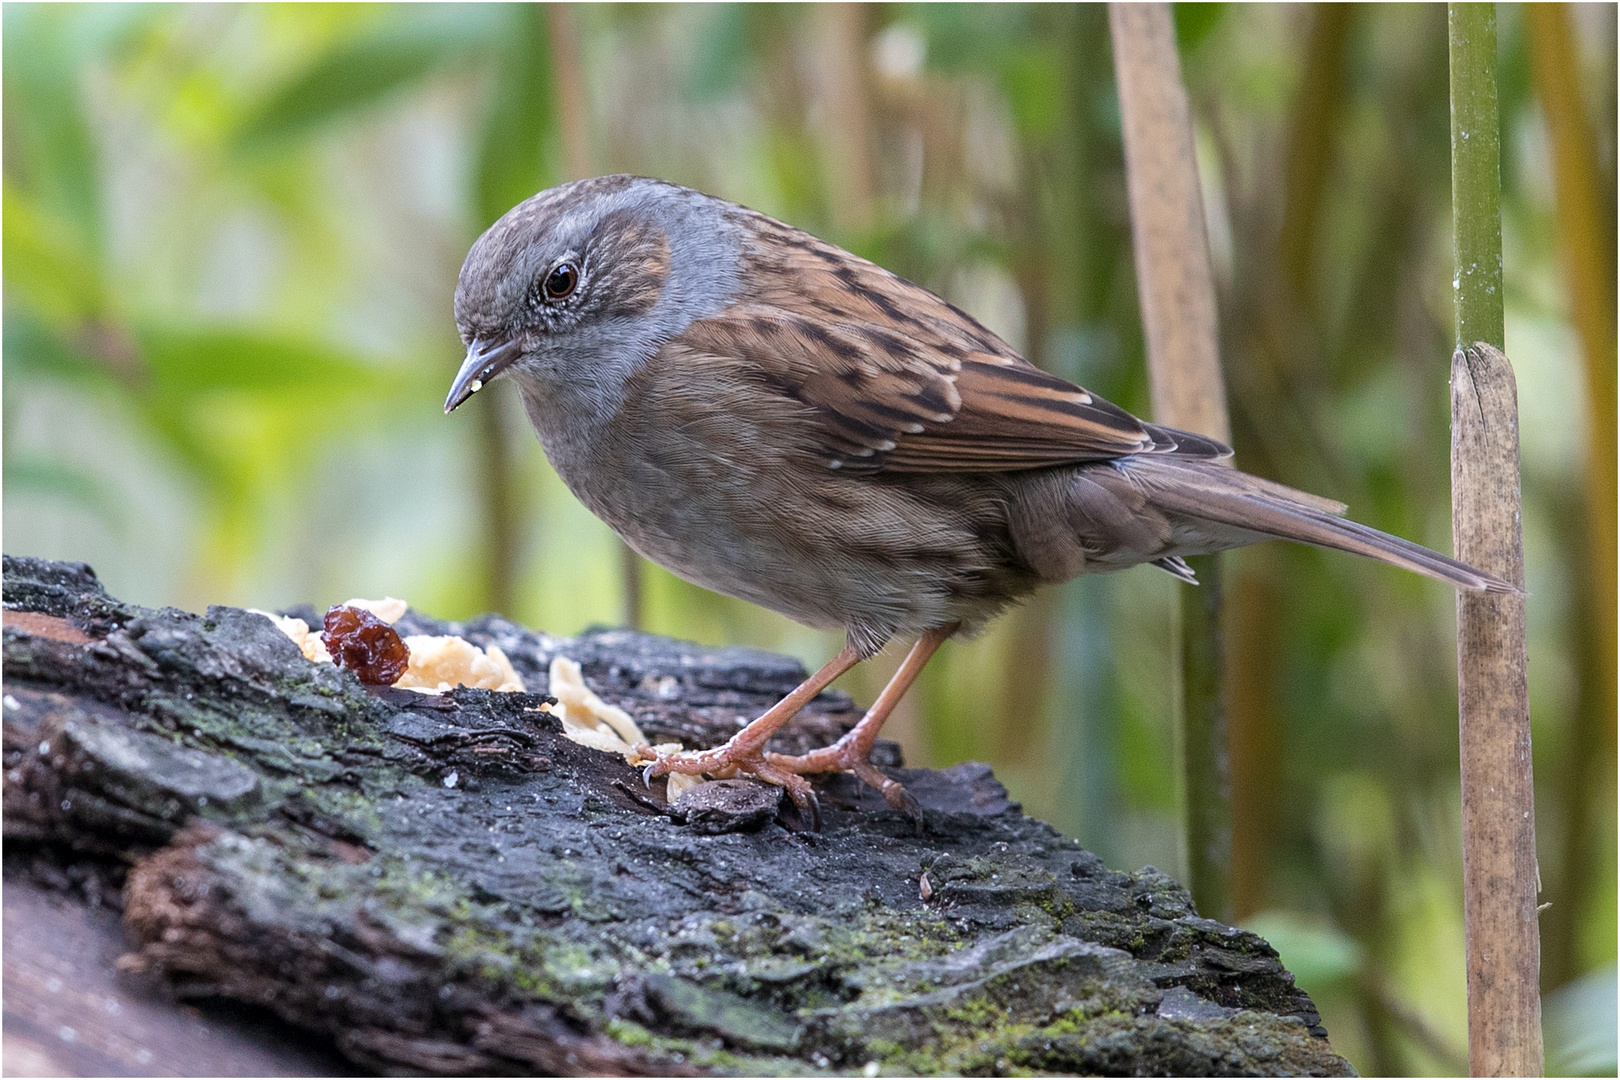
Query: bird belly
x,y
876,559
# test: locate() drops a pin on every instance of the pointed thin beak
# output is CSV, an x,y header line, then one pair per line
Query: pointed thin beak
x,y
485,360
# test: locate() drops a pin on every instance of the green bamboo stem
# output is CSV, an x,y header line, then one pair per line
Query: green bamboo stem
x,y
1500,875
1476,176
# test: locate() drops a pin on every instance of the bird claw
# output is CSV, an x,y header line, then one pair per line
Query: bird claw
x,y
910,807
814,806
848,755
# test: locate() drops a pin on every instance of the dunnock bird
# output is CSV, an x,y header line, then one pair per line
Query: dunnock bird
x,y
773,418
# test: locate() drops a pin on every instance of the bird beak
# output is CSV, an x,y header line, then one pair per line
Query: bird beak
x,y
485,360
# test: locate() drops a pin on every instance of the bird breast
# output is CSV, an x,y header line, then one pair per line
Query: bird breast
x,y
715,480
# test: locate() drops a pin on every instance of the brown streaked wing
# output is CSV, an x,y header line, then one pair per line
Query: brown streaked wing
x,y
888,398
1015,416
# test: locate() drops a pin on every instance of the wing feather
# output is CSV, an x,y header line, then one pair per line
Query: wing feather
x,y
895,379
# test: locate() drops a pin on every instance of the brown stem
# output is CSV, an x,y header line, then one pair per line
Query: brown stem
x,y
573,115
1177,292
1500,877
1279,324
845,91
1253,732
1310,143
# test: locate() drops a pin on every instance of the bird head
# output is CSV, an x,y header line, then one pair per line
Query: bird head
x,y
582,281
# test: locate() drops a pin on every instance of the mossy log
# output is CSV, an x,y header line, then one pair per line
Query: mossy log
x,y
447,885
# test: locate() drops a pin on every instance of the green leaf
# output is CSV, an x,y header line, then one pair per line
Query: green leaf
x,y
1195,22
46,264
49,146
1578,1021
721,56
971,37
34,350
1033,80
354,75
185,361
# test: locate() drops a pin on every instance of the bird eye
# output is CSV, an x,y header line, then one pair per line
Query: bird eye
x,y
561,281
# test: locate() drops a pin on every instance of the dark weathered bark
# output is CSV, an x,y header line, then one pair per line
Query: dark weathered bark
x,y
447,885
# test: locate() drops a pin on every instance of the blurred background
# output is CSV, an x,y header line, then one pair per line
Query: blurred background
x,y
231,238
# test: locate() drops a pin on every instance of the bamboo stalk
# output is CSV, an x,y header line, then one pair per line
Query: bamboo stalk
x,y
567,65
1500,878
843,85
1177,292
1476,176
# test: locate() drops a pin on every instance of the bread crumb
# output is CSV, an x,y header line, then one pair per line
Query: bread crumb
x,y
436,663
439,664
678,783
590,721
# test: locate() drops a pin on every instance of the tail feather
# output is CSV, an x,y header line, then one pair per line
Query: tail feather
x,y
1224,496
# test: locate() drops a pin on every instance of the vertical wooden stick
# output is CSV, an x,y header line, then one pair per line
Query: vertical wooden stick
x,y
1167,223
840,35
568,70
1177,291
1500,877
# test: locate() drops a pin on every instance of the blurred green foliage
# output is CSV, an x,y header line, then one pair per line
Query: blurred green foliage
x,y
231,235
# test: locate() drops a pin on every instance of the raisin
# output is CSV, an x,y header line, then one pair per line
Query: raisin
x,y
364,644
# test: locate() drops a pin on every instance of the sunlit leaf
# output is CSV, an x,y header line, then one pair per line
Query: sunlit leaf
x,y
46,265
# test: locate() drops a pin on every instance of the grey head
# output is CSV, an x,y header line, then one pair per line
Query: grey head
x,y
575,288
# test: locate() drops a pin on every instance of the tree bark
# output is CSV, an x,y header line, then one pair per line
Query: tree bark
x,y
444,884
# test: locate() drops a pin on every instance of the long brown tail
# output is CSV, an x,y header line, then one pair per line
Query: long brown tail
x,y
1224,496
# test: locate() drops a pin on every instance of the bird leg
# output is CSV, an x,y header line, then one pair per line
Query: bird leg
x,y
853,751
744,752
